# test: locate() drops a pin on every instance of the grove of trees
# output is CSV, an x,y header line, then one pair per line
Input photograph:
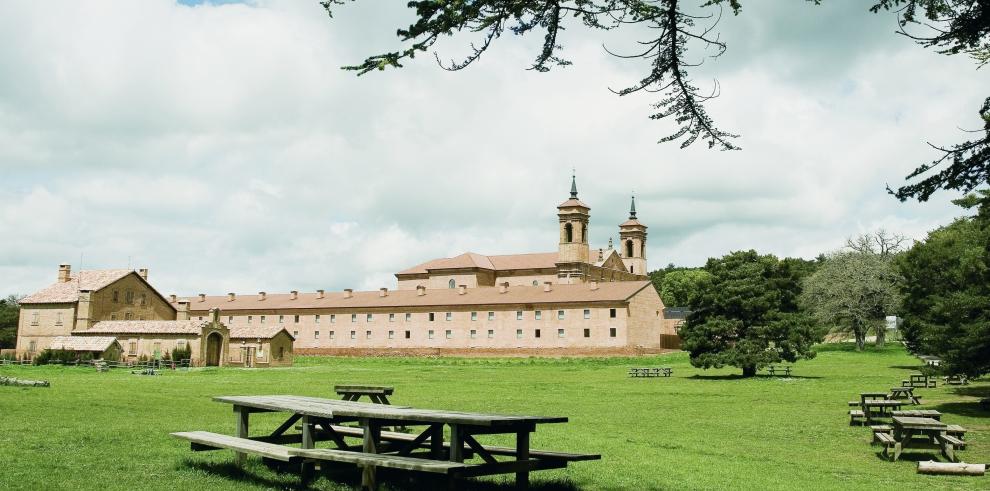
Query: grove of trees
x,y
9,313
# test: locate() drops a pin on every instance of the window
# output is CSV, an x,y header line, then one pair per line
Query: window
x,y
157,350
129,297
32,346
316,334
262,319
450,316
281,319
353,334
132,348
316,319
295,334
568,233
230,319
333,318
450,334
474,333
611,313
536,283
116,296
391,317
408,317
491,316
518,333
518,315
128,316
474,316
560,333
539,315
295,319
367,318
181,343
35,316
629,251
429,334
587,333
587,313
451,283
200,318
144,299
611,332
367,334
250,317
560,315
537,333
331,334
391,334
408,334
431,316
491,333
58,318
113,317
630,269
353,317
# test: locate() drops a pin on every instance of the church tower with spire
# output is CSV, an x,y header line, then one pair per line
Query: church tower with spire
x,y
632,242
573,217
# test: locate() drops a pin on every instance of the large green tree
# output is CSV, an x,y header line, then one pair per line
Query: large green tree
x,y
668,29
854,291
683,287
947,291
9,313
747,314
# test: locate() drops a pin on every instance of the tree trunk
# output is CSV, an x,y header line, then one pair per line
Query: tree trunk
x,y
749,371
961,469
860,336
881,335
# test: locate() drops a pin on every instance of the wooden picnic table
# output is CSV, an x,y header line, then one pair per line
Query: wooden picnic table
x,y
904,393
907,429
919,380
377,393
320,417
919,413
873,408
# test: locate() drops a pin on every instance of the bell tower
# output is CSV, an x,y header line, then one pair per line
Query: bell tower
x,y
632,242
573,218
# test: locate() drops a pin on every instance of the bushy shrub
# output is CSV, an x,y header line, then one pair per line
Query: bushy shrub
x,y
55,355
183,353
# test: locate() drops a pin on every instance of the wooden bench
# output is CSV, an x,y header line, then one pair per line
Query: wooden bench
x,y
956,431
856,414
380,460
886,440
956,380
205,440
650,372
919,381
949,446
919,413
774,370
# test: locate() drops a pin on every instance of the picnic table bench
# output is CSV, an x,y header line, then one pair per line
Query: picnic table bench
x,y
650,372
377,393
918,413
919,380
906,433
903,393
872,407
321,421
774,370
956,380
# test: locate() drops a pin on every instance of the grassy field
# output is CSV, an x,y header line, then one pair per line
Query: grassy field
x,y
696,430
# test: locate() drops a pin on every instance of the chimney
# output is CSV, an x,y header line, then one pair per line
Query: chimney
x,y
320,294
64,273
383,292
294,294
503,287
546,286
83,312
261,296
594,285
182,313
348,292
231,297
461,289
143,273
171,298
202,297
420,290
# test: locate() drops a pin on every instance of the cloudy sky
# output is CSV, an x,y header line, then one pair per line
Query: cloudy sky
x,y
220,145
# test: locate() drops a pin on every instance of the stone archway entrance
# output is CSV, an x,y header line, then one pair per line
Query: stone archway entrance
x,y
214,345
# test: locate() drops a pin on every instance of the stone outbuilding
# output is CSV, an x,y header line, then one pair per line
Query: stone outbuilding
x,y
260,347
100,347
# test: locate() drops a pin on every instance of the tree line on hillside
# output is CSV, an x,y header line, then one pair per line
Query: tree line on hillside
x,y
749,310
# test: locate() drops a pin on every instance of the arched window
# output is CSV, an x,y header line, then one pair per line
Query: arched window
x,y
568,233
642,250
629,248
451,283
536,283
630,269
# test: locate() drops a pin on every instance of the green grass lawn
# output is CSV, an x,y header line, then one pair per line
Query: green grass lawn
x,y
696,430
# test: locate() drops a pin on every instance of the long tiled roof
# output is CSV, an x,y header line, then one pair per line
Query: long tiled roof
x,y
256,332
78,343
68,291
146,327
541,260
560,294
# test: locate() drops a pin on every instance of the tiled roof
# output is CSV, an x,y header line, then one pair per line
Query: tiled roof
x,y
632,222
540,260
78,343
572,202
68,292
256,332
146,327
614,292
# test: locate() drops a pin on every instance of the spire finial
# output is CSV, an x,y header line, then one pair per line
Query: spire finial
x,y
573,183
632,208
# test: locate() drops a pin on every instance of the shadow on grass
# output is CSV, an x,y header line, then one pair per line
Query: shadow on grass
x,y
736,376
916,455
971,409
916,368
350,476
982,391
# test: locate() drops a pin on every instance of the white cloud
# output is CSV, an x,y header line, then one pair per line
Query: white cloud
x,y
223,147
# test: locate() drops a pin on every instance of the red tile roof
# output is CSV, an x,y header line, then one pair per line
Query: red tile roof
x,y
68,292
146,327
542,260
257,332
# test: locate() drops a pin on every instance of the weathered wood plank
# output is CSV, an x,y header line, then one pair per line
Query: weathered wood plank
x,y
240,445
379,460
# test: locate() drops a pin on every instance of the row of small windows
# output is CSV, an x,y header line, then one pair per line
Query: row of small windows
x,y
449,316
129,297
449,334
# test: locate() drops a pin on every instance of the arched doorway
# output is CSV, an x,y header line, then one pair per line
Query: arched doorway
x,y
214,344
